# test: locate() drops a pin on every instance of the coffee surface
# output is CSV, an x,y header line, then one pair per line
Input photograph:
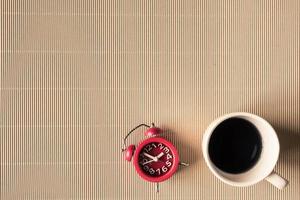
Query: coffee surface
x,y
235,145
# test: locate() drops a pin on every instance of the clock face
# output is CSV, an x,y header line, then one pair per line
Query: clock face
x,y
156,159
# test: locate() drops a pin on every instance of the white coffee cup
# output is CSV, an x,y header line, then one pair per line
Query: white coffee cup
x,y
264,167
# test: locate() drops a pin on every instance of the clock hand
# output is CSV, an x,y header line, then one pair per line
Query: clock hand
x,y
160,155
149,161
157,157
152,157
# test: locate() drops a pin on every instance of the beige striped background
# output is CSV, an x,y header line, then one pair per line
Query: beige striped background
x,y
77,75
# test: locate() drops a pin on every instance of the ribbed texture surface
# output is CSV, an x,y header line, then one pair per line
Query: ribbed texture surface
x,y
77,75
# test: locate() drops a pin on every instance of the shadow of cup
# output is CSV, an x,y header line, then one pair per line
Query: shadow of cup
x,y
289,145
289,140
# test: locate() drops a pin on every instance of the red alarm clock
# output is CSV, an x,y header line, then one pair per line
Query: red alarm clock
x,y
155,158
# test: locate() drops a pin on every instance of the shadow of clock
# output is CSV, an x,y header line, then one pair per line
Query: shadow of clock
x,y
189,151
289,140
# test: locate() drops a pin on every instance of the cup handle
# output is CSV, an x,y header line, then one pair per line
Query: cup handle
x,y
277,180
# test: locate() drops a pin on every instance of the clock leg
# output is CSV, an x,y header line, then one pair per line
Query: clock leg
x,y
184,164
157,187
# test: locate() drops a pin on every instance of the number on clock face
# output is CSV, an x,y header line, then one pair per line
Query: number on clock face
x,y
155,159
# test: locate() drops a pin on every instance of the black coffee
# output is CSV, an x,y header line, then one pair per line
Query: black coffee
x,y
235,145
